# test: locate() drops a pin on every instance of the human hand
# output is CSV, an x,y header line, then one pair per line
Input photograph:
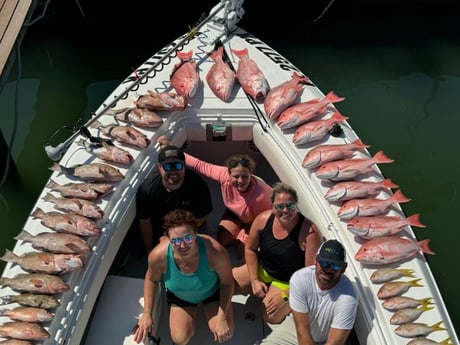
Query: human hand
x,y
259,288
143,329
273,304
222,331
163,141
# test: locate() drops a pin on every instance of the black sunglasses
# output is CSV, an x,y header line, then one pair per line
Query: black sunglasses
x,y
235,162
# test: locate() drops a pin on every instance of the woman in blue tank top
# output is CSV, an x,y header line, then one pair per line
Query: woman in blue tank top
x,y
195,270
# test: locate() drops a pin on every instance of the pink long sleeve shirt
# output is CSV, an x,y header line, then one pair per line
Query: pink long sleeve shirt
x,y
245,205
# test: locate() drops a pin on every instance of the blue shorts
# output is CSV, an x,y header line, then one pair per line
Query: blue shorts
x,y
173,299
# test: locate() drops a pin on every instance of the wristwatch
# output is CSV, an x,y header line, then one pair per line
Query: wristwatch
x,y
284,296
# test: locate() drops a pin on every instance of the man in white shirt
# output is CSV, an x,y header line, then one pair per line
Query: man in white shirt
x,y
322,300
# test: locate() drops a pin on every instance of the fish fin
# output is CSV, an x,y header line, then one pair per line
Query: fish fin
x,y
424,246
414,220
407,272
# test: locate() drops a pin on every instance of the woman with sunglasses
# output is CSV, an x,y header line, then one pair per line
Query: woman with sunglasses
x,y
196,270
280,242
244,194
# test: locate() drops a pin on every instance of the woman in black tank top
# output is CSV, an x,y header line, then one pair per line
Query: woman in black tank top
x,y
281,240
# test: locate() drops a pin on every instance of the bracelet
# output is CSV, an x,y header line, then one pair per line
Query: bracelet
x,y
146,312
284,296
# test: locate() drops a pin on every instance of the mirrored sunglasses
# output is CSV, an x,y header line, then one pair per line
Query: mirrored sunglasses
x,y
334,266
289,205
178,166
187,239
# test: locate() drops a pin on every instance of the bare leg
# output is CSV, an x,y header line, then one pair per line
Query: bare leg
x,y
274,308
182,324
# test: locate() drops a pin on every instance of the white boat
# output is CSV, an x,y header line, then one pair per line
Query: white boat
x,y
105,296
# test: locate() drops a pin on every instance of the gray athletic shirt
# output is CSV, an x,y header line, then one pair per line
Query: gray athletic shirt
x,y
332,308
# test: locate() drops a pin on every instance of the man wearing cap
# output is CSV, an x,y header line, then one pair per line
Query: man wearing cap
x,y
169,187
322,300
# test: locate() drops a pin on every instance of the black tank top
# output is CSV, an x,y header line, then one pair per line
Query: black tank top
x,y
281,258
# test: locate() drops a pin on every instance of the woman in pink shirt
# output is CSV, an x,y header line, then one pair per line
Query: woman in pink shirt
x,y
244,194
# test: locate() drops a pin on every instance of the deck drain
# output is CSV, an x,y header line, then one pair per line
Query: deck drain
x,y
250,316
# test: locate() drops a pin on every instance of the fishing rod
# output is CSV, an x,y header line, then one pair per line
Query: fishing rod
x,y
55,152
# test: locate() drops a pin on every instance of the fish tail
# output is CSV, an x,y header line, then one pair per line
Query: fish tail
x,y
381,157
389,183
299,78
437,326
359,144
8,256
333,98
51,184
415,282
49,197
446,342
184,56
5,299
63,169
426,301
414,220
37,213
424,246
398,196
23,236
240,53
338,117
425,307
407,272
56,167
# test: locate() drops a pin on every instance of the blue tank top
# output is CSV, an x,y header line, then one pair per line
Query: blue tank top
x,y
191,287
281,258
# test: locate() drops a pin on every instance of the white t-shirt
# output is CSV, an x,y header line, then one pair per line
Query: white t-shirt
x,y
331,308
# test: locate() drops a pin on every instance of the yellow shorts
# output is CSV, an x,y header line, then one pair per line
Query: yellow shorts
x,y
267,278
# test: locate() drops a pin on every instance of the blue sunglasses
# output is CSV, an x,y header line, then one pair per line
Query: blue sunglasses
x,y
187,239
178,166
334,266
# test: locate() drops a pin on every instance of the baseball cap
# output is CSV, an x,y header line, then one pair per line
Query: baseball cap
x,y
333,251
170,154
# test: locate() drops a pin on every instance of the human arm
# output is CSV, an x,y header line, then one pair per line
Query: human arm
x,y
251,247
146,231
220,262
302,326
311,242
156,264
215,172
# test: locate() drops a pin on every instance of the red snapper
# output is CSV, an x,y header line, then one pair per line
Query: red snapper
x,y
316,130
378,226
347,169
370,206
284,95
300,113
220,77
348,190
185,78
331,152
388,249
249,76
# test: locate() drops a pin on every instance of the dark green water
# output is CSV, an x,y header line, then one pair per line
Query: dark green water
x,y
399,71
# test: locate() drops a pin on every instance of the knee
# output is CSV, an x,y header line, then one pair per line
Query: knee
x,y
182,336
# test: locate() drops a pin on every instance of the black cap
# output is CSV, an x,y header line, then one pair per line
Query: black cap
x,y
333,251
171,154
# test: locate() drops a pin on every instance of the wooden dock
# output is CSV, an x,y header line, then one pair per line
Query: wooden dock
x,y
12,16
